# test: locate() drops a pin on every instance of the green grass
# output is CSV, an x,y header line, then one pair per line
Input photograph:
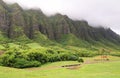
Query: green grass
x,y
54,70
34,45
72,40
1,47
12,45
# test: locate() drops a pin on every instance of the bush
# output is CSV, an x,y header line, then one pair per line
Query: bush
x,y
54,58
86,54
11,60
7,60
80,60
23,63
68,57
73,57
62,57
37,56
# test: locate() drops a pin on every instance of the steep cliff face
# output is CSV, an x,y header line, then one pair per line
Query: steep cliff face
x,y
4,18
18,23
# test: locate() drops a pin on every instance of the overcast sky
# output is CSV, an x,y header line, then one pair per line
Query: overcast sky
x,y
96,12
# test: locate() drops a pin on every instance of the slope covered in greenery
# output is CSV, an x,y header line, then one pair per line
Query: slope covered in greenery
x,y
29,36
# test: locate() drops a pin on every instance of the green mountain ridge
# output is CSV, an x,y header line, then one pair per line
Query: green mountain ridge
x,y
18,24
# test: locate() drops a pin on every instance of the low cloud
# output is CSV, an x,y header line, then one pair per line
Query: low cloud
x,y
96,12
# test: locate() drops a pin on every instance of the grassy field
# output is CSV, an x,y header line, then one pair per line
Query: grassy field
x,y
109,69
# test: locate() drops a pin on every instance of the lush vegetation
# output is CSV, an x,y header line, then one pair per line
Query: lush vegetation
x,y
22,55
28,38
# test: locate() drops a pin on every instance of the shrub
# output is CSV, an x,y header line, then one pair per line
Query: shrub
x,y
7,60
68,57
37,56
17,60
73,58
62,57
80,60
86,54
23,63
54,58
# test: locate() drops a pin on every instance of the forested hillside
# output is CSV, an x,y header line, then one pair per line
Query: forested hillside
x,y
31,35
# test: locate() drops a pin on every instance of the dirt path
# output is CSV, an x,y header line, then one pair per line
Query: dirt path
x,y
1,52
44,68
93,62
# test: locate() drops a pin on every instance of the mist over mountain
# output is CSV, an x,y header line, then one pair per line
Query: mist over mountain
x,y
96,12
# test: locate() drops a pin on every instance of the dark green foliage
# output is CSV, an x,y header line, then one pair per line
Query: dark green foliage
x,y
34,57
60,55
17,60
7,60
23,63
37,56
73,57
86,54
68,56
80,60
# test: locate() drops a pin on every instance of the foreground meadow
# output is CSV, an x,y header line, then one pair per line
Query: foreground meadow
x,y
102,69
